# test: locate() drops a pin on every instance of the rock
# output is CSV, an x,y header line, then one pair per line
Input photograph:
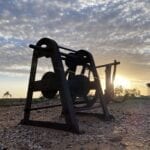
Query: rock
x,y
115,139
3,148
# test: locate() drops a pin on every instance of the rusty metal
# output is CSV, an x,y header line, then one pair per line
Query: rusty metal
x,y
49,85
73,85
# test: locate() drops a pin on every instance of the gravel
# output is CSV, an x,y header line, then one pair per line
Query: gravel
x,y
129,131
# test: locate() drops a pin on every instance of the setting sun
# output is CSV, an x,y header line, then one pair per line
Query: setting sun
x,y
122,81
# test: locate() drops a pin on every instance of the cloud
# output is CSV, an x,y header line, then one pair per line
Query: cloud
x,y
109,29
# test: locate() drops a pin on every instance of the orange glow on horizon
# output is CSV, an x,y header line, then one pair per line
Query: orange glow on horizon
x,y
122,81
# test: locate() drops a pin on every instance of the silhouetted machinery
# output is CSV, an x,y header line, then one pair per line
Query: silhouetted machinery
x,y
74,84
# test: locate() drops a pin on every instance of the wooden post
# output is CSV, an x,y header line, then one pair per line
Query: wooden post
x,y
108,91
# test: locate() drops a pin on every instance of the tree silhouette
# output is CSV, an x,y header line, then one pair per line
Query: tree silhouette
x,y
132,92
122,92
7,94
148,85
118,91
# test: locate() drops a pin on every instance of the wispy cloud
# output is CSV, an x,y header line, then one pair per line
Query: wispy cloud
x,y
109,29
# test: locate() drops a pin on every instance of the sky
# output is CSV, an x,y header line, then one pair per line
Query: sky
x,y
118,29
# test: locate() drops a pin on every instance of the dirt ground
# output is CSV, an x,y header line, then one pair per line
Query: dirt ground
x,y
129,131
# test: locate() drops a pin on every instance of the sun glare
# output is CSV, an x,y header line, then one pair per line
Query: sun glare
x,y
122,81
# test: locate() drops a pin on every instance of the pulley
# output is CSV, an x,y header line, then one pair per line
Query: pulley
x,y
50,82
83,59
79,85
